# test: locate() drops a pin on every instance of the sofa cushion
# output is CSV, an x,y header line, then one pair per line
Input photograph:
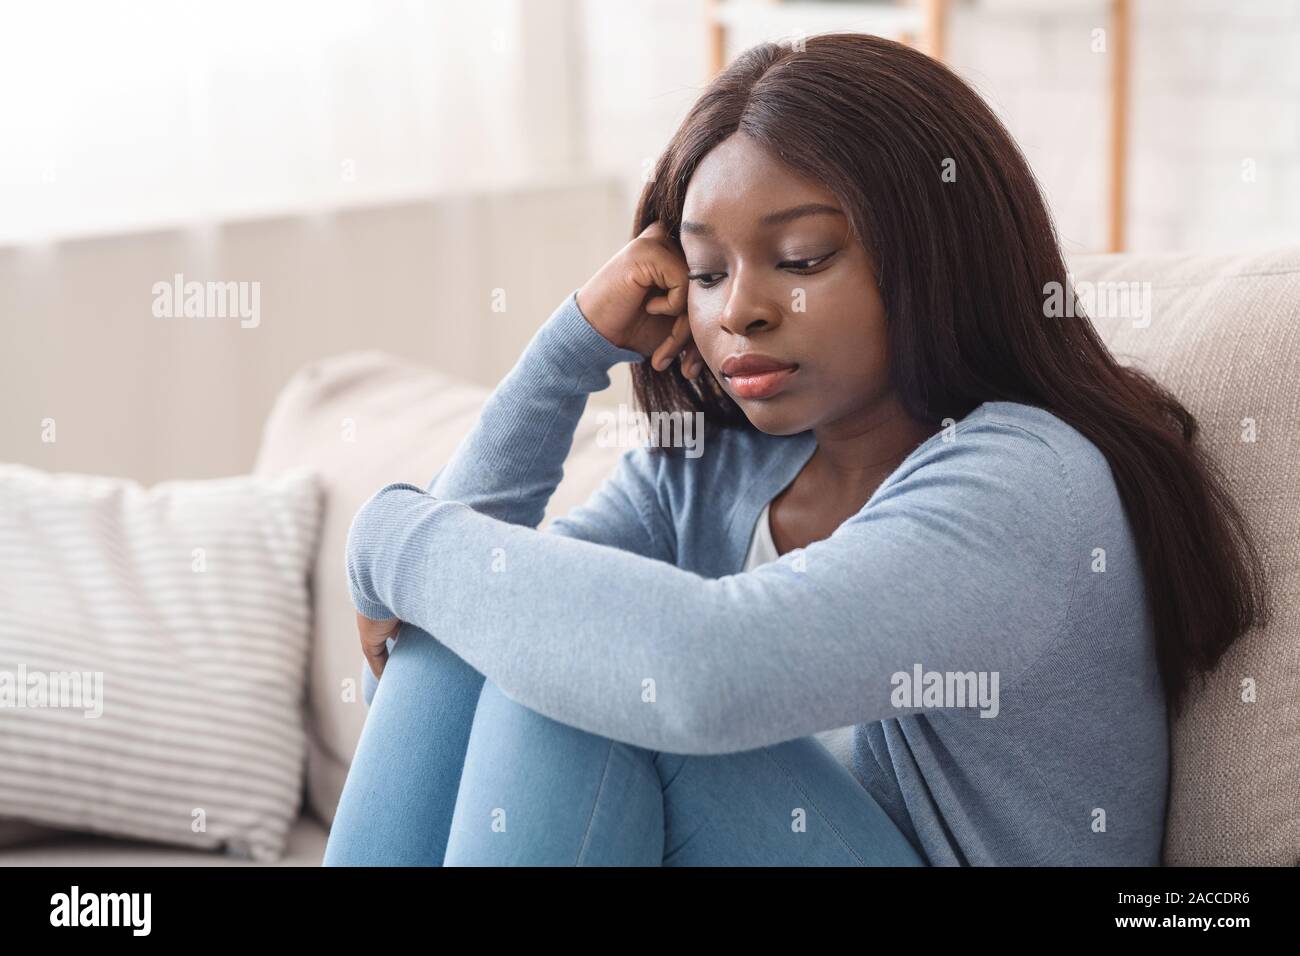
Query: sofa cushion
x,y
22,833
1222,334
304,846
152,655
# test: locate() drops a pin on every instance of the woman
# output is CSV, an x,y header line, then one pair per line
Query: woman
x,y
925,510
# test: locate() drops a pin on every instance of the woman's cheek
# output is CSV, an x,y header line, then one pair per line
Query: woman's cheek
x,y
703,327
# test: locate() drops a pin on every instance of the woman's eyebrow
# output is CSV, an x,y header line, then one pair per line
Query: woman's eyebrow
x,y
772,218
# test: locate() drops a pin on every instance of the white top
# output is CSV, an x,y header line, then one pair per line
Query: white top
x,y
762,548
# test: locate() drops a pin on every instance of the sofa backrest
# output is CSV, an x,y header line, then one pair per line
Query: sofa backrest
x,y
1223,333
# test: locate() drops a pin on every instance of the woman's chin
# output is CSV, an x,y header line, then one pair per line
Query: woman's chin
x,y
774,421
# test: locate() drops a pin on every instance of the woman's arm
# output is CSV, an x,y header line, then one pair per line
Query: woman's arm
x,y
963,564
509,465
511,462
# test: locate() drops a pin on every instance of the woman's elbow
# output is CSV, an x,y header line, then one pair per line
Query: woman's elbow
x,y
372,528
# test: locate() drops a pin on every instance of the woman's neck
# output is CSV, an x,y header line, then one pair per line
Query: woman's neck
x,y
850,462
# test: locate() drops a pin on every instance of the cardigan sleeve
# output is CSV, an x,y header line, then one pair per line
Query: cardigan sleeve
x,y
512,460
963,562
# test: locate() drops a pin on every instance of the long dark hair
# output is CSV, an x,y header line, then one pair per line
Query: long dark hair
x,y
963,267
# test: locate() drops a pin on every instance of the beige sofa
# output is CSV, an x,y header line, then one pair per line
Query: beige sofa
x,y
1223,332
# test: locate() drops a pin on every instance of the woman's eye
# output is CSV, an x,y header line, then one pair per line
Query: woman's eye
x,y
708,280
803,265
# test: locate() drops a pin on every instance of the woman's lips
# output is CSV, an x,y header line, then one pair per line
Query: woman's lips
x,y
757,385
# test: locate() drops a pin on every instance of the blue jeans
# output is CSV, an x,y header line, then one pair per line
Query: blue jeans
x,y
450,771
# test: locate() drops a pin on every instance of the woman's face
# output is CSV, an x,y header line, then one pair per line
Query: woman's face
x,y
775,273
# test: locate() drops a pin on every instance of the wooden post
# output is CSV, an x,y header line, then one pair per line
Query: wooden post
x,y
936,28
1118,46
717,39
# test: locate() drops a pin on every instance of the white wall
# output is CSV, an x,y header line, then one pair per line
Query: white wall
x,y
153,398
1214,83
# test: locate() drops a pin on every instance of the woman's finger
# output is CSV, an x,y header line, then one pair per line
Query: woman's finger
x,y
374,640
670,346
692,361
672,277
676,341
376,657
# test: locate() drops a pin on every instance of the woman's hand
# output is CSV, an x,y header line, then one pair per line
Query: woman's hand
x,y
374,640
638,301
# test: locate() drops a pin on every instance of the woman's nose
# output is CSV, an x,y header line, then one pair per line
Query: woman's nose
x,y
747,309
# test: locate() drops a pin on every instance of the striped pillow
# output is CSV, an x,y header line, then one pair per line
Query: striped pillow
x,y
153,653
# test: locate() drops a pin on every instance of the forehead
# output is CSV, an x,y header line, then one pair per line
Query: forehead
x,y
739,180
